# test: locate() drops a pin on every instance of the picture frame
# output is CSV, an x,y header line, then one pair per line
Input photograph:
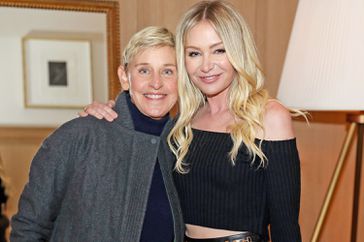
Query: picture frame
x,y
57,72
110,8
92,20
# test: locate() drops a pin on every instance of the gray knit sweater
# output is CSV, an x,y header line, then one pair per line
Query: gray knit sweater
x,y
89,181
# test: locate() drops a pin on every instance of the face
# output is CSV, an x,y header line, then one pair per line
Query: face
x,y
206,61
151,78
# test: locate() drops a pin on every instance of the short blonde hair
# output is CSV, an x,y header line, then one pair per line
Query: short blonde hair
x,y
152,36
247,97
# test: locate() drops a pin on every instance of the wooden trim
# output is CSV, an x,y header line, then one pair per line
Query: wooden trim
x,y
15,133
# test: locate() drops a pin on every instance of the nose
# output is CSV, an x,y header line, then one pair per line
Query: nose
x,y
207,64
156,82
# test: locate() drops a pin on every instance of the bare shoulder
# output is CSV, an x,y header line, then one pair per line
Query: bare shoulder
x,y
277,121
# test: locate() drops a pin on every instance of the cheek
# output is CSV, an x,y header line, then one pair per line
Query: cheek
x,y
173,87
136,85
227,65
190,67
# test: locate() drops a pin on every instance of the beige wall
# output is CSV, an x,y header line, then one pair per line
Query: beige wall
x,y
319,144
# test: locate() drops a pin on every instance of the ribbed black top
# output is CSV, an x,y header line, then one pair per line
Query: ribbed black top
x,y
215,193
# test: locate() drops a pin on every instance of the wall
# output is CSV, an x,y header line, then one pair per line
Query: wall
x,y
43,24
319,144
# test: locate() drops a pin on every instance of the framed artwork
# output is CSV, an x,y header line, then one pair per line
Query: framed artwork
x,y
62,25
108,8
57,73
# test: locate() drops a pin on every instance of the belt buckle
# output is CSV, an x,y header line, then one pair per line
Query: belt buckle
x,y
247,239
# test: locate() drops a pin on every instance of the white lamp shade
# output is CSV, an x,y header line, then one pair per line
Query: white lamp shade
x,y
324,66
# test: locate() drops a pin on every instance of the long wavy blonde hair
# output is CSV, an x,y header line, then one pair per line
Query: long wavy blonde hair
x,y
247,96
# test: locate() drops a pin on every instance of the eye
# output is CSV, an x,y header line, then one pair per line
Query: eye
x,y
143,71
193,53
220,51
168,72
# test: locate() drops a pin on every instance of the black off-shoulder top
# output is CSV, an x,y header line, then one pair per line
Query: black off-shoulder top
x,y
241,197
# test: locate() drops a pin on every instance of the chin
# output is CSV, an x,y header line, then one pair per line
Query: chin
x,y
155,115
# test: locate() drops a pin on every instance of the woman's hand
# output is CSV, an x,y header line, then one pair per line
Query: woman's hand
x,y
100,110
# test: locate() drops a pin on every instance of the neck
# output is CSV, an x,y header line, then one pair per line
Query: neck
x,y
215,115
217,104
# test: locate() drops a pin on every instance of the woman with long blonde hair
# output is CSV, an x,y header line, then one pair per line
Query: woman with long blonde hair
x,y
237,164
237,169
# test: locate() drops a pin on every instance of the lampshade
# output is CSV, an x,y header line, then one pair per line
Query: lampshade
x,y
324,65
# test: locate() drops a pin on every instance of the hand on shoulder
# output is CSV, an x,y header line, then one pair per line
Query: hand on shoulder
x,y
100,110
277,121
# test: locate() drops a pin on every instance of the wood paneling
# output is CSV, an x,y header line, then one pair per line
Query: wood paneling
x,y
128,20
319,147
274,23
17,148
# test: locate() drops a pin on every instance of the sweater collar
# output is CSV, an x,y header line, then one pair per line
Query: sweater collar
x,y
130,117
143,123
121,108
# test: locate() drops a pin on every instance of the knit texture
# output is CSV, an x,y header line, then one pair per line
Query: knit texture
x,y
158,220
89,181
242,197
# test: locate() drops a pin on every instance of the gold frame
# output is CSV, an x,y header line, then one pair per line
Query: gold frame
x,y
110,8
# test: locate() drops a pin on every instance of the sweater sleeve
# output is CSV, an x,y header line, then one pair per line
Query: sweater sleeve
x,y
283,182
41,198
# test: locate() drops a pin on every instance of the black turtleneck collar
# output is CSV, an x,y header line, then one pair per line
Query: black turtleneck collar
x,y
144,123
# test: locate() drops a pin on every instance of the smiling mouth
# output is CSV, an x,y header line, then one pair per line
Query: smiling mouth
x,y
210,78
155,96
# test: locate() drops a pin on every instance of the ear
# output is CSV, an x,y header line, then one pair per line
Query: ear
x,y
123,78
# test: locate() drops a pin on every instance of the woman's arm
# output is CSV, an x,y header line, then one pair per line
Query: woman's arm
x,y
283,177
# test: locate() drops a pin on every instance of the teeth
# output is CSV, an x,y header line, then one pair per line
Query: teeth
x,y
154,96
209,77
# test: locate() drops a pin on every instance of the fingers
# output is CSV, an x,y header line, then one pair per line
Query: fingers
x,y
93,110
82,114
111,103
108,113
100,110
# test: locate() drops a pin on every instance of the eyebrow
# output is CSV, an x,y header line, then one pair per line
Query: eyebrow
x,y
146,64
170,65
212,46
141,64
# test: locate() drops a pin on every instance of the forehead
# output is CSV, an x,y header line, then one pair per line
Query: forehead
x,y
162,55
202,33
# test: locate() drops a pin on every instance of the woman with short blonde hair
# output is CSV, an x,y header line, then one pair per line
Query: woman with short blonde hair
x,y
95,181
